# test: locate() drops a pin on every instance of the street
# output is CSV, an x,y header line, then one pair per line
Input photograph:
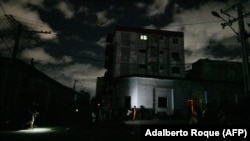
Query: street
x,y
108,131
98,132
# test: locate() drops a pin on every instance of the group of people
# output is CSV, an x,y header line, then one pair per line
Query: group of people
x,y
206,117
101,113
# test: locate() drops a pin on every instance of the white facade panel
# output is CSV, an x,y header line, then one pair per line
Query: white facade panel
x,y
145,96
133,91
144,92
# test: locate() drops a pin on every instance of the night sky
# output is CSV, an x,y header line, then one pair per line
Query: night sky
x,y
75,48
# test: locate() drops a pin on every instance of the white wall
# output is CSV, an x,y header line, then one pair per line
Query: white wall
x,y
142,91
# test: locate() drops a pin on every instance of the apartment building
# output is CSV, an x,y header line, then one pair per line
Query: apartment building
x,y
139,63
145,52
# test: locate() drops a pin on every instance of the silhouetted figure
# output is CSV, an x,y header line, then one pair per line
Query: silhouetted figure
x,y
134,113
93,115
194,118
99,113
222,117
110,112
33,116
142,112
128,114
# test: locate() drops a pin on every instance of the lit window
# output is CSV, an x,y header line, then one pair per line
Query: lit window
x,y
143,37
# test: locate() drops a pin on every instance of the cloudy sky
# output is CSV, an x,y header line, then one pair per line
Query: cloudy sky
x,y
74,49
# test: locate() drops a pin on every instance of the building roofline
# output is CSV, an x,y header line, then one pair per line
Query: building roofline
x,y
216,61
149,31
23,64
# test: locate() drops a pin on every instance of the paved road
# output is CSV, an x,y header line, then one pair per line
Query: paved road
x,y
127,131
98,132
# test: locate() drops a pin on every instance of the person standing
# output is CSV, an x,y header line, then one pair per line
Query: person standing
x,y
194,118
134,113
34,115
128,114
31,122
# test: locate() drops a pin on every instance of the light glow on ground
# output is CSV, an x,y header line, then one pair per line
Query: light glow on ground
x,y
41,130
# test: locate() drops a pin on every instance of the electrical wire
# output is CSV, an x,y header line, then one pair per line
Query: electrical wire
x,y
36,23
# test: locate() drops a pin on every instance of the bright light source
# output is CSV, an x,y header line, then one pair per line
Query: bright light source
x,y
35,130
143,37
40,130
77,110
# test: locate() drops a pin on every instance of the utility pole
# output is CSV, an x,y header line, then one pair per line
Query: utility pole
x,y
74,86
9,106
17,34
18,27
17,39
245,48
242,37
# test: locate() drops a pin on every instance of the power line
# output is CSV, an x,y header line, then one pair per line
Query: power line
x,y
28,21
196,23
242,37
6,44
78,56
1,5
35,23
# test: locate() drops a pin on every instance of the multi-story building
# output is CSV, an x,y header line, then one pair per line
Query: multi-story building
x,y
145,68
145,52
138,61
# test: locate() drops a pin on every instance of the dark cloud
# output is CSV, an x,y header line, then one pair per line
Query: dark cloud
x,y
78,28
219,50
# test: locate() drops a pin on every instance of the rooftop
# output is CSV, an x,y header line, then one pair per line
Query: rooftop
x,y
150,31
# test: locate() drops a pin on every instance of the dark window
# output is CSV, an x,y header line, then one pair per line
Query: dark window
x,y
142,51
124,69
176,55
161,37
125,37
125,54
142,57
175,70
128,102
175,40
154,51
142,66
161,68
162,102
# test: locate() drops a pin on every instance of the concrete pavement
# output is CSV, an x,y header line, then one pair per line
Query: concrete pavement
x,y
107,131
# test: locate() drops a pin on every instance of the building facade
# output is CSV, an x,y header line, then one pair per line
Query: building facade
x,y
145,68
145,52
216,70
138,61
